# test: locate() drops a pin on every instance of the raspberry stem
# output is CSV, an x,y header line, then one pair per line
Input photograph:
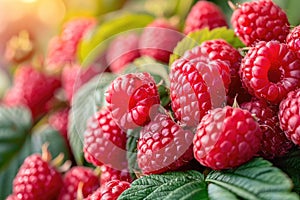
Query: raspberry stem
x,y
235,102
232,5
65,167
58,160
46,156
97,171
265,125
138,174
79,195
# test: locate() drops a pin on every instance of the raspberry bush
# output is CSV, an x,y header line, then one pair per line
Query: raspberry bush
x,y
158,99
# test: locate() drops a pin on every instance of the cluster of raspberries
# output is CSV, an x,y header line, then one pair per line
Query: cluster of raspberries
x,y
200,124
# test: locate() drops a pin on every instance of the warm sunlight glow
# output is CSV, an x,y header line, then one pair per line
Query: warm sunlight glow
x,y
29,1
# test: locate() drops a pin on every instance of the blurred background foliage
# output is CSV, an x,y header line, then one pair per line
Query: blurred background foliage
x,y
42,19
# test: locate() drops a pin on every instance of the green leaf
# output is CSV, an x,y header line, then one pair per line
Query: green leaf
x,y
162,9
169,8
7,174
5,82
172,185
290,164
291,7
216,192
182,9
159,71
93,46
14,127
57,143
131,150
196,38
104,6
257,179
17,141
87,101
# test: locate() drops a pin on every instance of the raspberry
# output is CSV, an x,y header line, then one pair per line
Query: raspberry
x,y
197,86
59,121
260,21
31,88
130,99
58,55
163,146
270,70
104,141
122,50
289,116
108,173
96,195
37,179
12,197
204,14
214,50
220,50
75,29
74,76
113,189
274,141
62,49
158,40
72,179
226,138
293,40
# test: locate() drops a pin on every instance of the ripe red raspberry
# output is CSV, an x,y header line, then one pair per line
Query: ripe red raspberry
x,y
75,29
219,49
104,141
96,195
121,51
270,70
37,179
158,40
59,121
12,197
226,137
72,179
56,55
62,49
261,20
289,116
109,173
74,76
163,146
197,85
274,142
113,189
204,14
293,40
130,98
31,88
